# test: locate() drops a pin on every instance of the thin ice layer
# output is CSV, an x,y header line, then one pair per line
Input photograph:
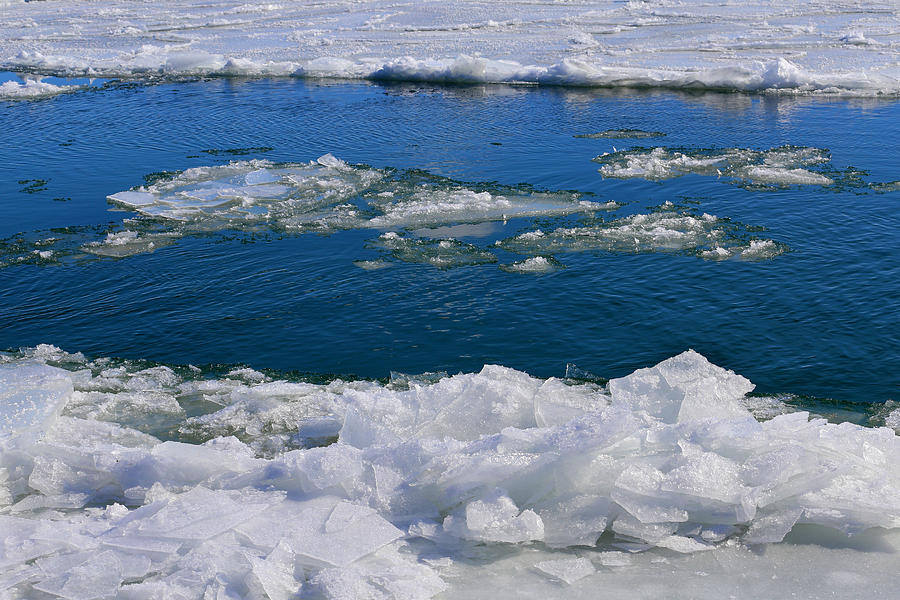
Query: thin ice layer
x,y
849,47
435,481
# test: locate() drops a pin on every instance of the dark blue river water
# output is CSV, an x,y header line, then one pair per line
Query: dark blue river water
x,y
822,319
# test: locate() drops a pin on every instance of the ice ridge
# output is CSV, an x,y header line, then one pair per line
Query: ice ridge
x,y
408,488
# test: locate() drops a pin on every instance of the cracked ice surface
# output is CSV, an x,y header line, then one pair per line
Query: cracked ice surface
x,y
781,166
329,194
845,46
428,485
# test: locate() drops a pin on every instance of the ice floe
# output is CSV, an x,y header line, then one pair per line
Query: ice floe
x,y
782,166
329,194
426,487
705,235
31,89
422,213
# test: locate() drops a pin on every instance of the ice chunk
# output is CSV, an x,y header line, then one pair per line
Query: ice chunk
x,y
568,570
323,531
177,463
496,518
682,389
332,469
133,198
32,395
198,514
273,575
577,521
463,407
772,527
261,176
350,532
616,559
684,545
556,403
535,265
329,160
98,577
387,576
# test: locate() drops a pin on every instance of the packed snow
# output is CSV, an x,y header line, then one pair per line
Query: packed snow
x,y
845,46
429,485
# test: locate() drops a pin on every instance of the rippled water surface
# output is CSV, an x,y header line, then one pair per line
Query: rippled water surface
x,y
820,317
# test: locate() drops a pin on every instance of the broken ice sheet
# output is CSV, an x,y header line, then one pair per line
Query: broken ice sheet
x,y
621,133
777,167
705,235
443,254
323,196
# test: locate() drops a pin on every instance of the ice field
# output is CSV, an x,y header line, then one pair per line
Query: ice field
x,y
395,300
847,46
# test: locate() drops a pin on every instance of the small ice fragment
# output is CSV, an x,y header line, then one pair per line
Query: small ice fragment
x,y
772,528
329,160
568,570
260,176
97,578
614,559
684,545
497,519
133,198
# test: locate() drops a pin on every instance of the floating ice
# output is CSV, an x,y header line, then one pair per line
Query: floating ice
x,y
423,485
621,134
330,194
780,166
128,243
322,196
706,236
535,264
439,253
32,89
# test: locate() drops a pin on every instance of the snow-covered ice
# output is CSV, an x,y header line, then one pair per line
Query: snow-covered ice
x,y
32,88
492,481
845,46
782,166
706,236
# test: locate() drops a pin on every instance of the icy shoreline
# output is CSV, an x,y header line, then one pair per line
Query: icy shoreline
x,y
438,484
847,48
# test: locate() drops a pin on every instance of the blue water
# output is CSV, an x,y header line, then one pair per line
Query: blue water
x,y
821,320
